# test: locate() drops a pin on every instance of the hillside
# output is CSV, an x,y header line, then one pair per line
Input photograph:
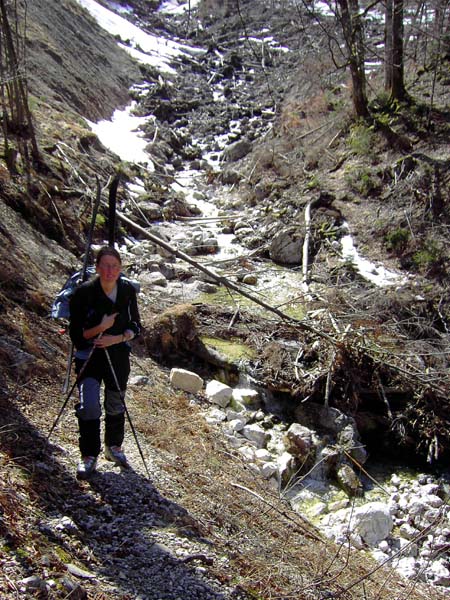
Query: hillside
x,y
193,520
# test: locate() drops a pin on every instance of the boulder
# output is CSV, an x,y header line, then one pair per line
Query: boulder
x,y
246,397
186,380
286,467
255,433
348,480
153,278
286,246
299,442
149,210
237,150
373,522
218,393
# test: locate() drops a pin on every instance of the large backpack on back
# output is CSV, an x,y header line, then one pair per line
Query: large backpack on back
x,y
61,304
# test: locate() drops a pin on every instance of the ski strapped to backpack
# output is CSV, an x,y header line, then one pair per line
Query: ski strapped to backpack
x,y
112,210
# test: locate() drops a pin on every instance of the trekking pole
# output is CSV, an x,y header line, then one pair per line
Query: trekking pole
x,y
122,397
65,386
69,394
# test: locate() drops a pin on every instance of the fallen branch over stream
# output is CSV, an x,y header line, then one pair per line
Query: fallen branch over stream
x,y
220,279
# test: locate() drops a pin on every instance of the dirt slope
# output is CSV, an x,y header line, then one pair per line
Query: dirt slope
x,y
71,61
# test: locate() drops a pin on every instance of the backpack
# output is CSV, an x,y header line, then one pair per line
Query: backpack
x,y
61,304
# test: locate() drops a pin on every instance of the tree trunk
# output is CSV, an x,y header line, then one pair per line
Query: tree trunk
x,y
354,39
394,77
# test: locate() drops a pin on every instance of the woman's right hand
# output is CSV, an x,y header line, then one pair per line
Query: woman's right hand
x,y
108,321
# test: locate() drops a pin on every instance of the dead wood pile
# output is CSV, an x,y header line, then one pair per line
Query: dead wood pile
x,y
363,372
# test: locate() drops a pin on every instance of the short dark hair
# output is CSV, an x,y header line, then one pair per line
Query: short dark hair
x,y
107,251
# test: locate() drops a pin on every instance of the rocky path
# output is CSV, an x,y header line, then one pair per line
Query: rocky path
x,y
122,534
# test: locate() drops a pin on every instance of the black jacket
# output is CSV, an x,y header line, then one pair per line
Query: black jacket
x,y
89,304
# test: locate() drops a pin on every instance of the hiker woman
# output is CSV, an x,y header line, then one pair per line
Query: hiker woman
x,y
104,317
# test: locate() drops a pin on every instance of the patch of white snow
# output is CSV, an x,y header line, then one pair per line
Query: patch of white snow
x,y
144,47
177,7
121,136
376,274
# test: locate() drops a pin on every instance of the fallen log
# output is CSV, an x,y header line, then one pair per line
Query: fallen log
x,y
221,279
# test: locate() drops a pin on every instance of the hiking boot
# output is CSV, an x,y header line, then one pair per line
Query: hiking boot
x,y
86,467
116,455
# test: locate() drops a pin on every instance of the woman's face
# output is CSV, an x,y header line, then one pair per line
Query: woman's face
x,y
109,269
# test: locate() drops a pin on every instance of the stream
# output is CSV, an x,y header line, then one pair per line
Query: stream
x,y
395,493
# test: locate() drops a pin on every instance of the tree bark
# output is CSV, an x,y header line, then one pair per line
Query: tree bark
x,y
394,64
354,39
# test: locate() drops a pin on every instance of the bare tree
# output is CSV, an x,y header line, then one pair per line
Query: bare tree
x,y
351,23
17,123
393,50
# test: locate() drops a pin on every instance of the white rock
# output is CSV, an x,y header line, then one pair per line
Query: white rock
x,y
406,566
404,502
379,555
373,522
407,531
338,505
408,549
395,480
218,393
246,397
276,444
257,434
440,573
138,380
234,414
433,500
154,278
247,452
186,380
356,541
429,488
416,507
393,508
318,509
268,469
286,465
237,424
232,440
263,454
215,416
429,517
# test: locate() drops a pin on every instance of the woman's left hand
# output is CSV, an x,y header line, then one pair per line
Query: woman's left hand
x,y
107,340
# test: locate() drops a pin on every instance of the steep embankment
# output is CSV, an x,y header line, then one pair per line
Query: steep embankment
x,y
73,63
